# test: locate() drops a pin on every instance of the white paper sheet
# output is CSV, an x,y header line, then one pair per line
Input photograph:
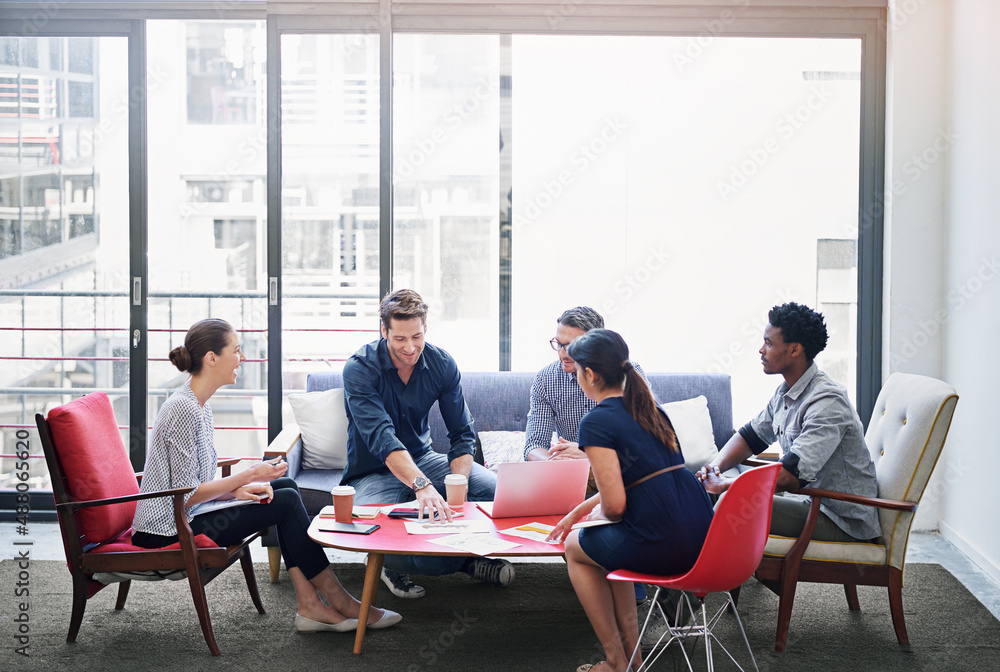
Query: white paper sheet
x,y
454,527
478,544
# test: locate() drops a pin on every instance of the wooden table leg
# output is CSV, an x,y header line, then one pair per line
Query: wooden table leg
x,y
372,578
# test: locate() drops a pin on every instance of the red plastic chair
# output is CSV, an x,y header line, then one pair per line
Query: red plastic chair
x,y
733,549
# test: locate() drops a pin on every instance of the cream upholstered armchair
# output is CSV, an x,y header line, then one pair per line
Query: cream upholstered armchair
x,y
907,431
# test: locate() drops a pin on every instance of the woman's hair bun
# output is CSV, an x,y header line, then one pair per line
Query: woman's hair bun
x,y
181,358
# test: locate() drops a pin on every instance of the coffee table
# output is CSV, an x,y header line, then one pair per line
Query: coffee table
x,y
392,538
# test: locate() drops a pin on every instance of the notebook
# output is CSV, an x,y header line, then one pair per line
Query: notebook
x,y
548,488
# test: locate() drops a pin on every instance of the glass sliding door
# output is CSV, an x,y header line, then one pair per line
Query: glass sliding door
x,y
329,200
64,234
207,216
446,188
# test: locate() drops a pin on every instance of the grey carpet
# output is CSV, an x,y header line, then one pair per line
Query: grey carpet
x,y
535,624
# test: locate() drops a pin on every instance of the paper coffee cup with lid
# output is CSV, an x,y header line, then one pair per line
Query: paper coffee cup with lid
x,y
456,487
343,503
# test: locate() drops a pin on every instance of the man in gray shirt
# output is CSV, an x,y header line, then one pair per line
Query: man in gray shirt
x,y
821,437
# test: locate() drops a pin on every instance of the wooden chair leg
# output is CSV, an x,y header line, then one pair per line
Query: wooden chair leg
x,y
247,564
122,594
896,605
274,562
785,600
201,606
851,590
79,604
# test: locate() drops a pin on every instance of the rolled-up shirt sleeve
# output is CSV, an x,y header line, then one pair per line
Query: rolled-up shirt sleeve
x,y
368,410
457,417
759,432
541,420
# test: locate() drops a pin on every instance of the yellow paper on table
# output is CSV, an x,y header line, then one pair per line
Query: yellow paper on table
x,y
532,531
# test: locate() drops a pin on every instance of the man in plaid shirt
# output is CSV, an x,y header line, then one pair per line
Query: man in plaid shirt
x,y
557,402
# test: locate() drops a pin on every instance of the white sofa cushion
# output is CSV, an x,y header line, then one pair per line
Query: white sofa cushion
x,y
693,426
322,420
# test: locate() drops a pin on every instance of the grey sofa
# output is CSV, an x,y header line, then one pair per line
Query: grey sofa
x,y
498,402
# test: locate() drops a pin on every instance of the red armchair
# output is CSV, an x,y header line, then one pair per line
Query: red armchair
x,y
96,493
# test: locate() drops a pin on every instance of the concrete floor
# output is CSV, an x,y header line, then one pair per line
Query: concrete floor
x,y
924,547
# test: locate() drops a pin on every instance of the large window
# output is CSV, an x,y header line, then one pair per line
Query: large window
x,y
682,198
677,196
446,212
329,200
507,166
207,215
64,202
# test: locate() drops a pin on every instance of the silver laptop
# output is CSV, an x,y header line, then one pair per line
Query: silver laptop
x,y
548,488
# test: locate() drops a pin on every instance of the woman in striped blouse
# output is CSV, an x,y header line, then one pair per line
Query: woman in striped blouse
x,y
182,454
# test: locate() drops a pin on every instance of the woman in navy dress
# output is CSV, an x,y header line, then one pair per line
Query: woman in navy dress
x,y
659,525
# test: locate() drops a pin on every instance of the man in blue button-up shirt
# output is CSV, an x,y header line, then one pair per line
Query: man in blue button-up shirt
x,y
389,388
821,437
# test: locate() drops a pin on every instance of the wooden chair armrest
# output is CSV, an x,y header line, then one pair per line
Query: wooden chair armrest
x,y
226,464
283,442
878,502
126,498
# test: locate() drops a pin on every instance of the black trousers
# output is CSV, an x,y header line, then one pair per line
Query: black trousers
x,y
229,526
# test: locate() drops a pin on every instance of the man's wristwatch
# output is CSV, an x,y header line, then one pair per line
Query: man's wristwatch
x,y
419,483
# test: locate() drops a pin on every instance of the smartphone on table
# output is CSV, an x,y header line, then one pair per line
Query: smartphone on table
x,y
349,528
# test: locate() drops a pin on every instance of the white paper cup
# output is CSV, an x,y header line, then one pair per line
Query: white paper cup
x,y
456,487
343,503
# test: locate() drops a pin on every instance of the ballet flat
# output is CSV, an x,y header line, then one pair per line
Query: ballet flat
x,y
307,625
389,618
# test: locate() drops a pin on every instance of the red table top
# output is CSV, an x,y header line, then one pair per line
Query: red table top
x,y
392,537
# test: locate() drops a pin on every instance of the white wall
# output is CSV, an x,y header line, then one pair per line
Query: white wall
x,y
942,306
916,118
972,360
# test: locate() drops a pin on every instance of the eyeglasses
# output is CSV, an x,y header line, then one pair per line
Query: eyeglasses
x,y
557,346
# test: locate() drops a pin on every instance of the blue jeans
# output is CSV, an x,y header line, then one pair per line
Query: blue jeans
x,y
381,487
